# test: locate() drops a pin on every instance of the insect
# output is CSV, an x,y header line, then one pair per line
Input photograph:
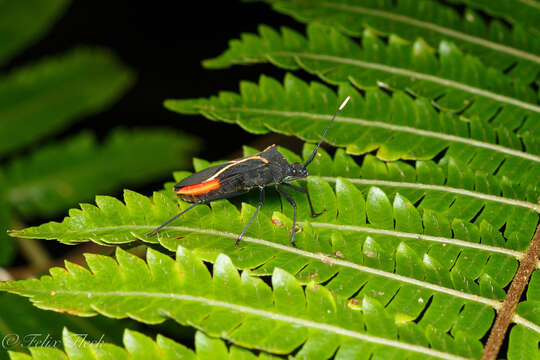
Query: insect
x,y
267,168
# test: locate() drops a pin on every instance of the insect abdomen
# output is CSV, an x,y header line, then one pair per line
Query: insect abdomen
x,y
210,190
200,188
201,191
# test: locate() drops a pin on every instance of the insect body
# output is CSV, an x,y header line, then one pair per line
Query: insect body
x,y
267,168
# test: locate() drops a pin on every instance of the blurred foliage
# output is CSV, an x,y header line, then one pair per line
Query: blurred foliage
x,y
39,100
24,22
40,176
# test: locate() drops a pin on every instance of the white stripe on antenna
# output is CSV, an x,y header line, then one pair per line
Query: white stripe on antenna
x,y
344,103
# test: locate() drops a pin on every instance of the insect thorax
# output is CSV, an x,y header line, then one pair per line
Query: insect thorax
x,y
280,168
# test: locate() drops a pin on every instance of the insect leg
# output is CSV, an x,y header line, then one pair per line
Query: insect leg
x,y
281,204
304,191
261,202
293,204
156,230
206,201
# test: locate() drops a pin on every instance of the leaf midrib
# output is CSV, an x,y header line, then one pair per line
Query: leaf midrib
x,y
430,26
332,261
412,74
438,239
262,313
383,125
317,256
448,189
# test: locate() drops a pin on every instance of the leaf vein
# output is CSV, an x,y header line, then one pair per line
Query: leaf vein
x,y
383,125
317,256
528,205
269,315
414,74
517,254
437,28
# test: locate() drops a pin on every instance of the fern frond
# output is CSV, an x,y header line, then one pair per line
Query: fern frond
x,y
139,346
449,262
450,189
23,22
397,126
525,11
61,175
40,99
494,44
456,82
238,308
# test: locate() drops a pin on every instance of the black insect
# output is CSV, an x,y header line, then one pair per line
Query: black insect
x,y
267,168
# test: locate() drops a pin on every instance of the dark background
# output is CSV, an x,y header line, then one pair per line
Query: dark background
x,y
164,42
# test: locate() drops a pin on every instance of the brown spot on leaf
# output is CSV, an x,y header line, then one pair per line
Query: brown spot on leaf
x,y
298,230
354,304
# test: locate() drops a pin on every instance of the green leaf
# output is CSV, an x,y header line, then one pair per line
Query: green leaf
x,y
495,44
454,81
40,99
162,287
23,325
525,339
523,343
398,126
23,22
63,174
527,13
401,269
531,306
378,207
445,189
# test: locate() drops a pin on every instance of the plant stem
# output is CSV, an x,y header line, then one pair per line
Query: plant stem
x,y
505,314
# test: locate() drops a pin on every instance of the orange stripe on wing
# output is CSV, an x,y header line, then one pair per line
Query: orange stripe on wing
x,y
200,188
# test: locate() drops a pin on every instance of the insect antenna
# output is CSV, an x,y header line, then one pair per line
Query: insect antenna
x,y
324,134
